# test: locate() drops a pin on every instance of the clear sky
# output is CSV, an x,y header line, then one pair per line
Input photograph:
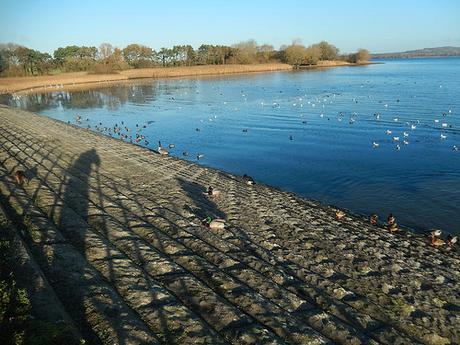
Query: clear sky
x,y
380,26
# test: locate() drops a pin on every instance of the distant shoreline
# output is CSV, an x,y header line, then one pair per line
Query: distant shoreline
x,y
84,80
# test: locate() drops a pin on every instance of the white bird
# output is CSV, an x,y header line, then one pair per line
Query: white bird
x,y
436,121
396,119
444,125
451,240
455,148
374,144
413,127
388,132
436,232
405,142
398,147
395,138
443,136
405,134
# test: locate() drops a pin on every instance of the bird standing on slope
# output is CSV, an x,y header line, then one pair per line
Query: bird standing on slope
x,y
162,151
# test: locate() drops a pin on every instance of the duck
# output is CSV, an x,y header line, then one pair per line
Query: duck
x,y
443,136
393,227
388,132
375,145
214,223
451,240
162,151
437,242
199,156
20,177
213,192
339,214
391,219
373,219
248,179
171,146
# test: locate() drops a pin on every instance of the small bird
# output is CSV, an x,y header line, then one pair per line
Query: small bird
x,y
435,233
20,177
405,134
162,151
443,136
199,156
214,223
339,214
185,153
375,145
398,147
388,132
454,148
437,242
395,138
248,179
451,240
405,142
393,227
213,192
391,219
171,146
374,219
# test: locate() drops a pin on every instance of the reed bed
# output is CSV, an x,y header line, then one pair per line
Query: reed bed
x,y
67,81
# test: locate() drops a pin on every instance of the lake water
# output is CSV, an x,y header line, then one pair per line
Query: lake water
x,y
309,132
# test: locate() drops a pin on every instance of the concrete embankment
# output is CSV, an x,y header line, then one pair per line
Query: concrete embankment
x,y
113,240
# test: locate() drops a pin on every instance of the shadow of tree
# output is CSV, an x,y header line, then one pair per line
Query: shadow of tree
x,y
200,204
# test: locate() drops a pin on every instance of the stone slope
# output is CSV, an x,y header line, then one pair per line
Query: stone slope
x,y
116,231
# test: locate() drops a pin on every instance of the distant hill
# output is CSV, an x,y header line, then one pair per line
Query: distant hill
x,y
425,52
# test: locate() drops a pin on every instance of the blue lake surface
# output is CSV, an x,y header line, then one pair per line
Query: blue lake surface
x,y
309,132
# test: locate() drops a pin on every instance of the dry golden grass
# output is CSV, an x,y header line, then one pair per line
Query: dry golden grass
x,y
83,80
330,63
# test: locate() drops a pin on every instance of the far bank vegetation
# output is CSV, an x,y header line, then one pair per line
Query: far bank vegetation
x,y
16,60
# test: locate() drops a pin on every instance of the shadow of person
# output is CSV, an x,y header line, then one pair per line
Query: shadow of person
x,y
75,199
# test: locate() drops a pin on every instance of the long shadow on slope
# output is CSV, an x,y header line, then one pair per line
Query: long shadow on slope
x,y
202,206
81,167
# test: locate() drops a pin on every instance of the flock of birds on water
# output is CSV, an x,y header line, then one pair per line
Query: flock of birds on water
x,y
399,134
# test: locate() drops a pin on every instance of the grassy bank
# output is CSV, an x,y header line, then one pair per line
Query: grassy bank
x,y
69,81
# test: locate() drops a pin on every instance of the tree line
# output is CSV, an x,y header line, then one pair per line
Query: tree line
x,y
16,60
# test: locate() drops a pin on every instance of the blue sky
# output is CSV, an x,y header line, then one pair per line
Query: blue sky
x,y
380,26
